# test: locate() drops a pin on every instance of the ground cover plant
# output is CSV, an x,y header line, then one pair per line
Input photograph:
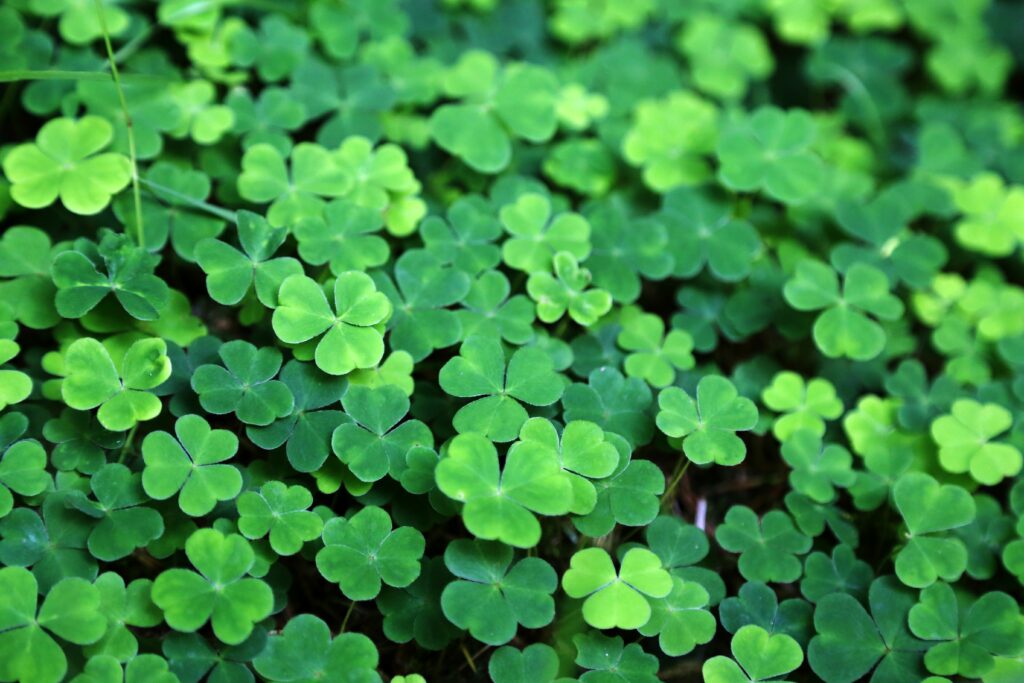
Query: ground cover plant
x,y
522,341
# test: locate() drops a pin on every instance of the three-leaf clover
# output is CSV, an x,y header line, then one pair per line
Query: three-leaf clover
x,y
305,651
364,551
245,385
654,356
535,236
965,442
929,509
281,513
705,232
806,404
344,236
191,465
681,619
353,336
616,599
761,656
22,462
708,425
818,468
567,290
768,546
219,592
123,523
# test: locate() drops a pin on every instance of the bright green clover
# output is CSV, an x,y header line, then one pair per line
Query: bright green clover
x,y
28,651
245,385
990,224
705,232
396,370
806,405
281,513
144,668
761,656
491,596
383,182
681,619
294,191
930,509
63,162
840,573
535,236
844,328
364,551
219,592
708,425
969,635
769,150
344,236
655,356
26,255
480,370
22,462
818,468
488,310
964,438
125,606
123,396
724,55
581,164
609,660
500,501
495,105
616,599
123,523
851,642
371,445
567,290
353,336
768,546
304,652
191,465
231,274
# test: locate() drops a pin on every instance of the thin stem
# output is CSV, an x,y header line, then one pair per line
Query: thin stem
x,y
677,476
469,658
132,156
348,613
159,189
127,443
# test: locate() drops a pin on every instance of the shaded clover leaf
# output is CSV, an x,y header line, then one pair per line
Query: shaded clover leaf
x,y
818,468
364,551
26,255
281,513
22,462
489,311
353,336
768,546
625,248
64,162
480,370
383,182
466,236
535,236
122,395
304,651
629,496
415,613
191,465
192,657
840,573
708,425
615,403
219,592
654,356
245,385
757,604
930,509
610,660
499,501
537,663
567,291
344,236
806,404
53,545
844,328
124,522
491,596
965,442
705,232
231,274
761,656
616,599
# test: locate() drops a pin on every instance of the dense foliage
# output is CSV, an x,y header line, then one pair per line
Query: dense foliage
x,y
511,340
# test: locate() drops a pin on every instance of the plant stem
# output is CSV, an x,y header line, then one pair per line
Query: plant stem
x,y
191,201
127,443
132,156
344,622
677,476
469,658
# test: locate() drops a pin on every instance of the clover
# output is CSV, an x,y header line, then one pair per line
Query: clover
x,y
53,544
281,513
296,190
267,119
708,425
757,604
818,468
492,596
615,403
352,338
567,291
124,606
681,619
105,668
655,356
616,599
629,496
989,212
768,546
372,445
495,104
605,657
490,311
500,387
22,462
844,328
343,236
203,659
537,662
122,394
625,249
759,656
965,442
415,613
305,651
535,235
724,55
806,404
29,651
245,385
218,592
191,465
383,182
63,162
231,274
26,255
363,552
466,236
499,501
920,402
930,509
840,573
769,150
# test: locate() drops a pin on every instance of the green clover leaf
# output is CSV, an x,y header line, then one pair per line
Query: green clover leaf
x,y
344,236
26,255
480,370
124,522
353,339
191,465
613,402
965,442
818,468
383,182
929,509
415,613
125,606
630,496
840,573
681,619
625,248
266,119
123,396
364,551
990,215
218,593
489,311
757,604
705,233
139,669
655,356
761,656
724,55
499,502
244,385
708,425
466,236
63,162
304,652
806,404
535,236
537,663
491,596
567,291
768,546
22,462
54,545
281,513
616,599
